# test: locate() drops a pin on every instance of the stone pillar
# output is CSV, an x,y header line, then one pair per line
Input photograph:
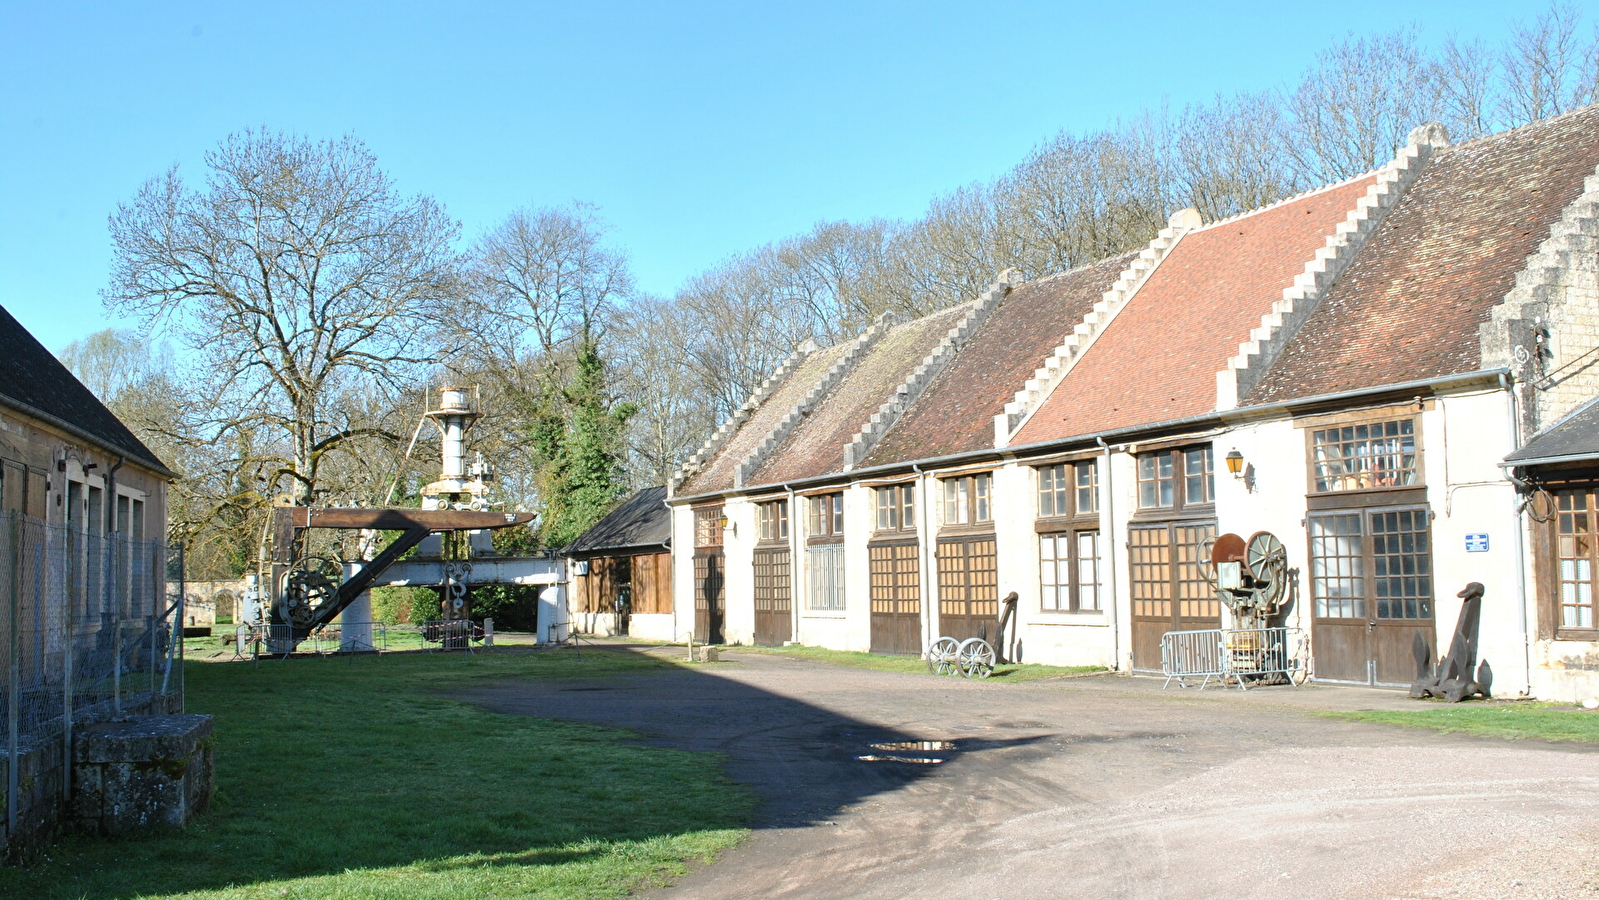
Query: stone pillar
x,y
356,620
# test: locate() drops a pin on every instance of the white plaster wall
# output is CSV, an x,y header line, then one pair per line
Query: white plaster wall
x,y
1118,500
1565,671
857,623
1465,437
1269,497
738,591
682,571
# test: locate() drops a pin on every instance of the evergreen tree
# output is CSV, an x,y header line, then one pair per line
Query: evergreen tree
x,y
578,443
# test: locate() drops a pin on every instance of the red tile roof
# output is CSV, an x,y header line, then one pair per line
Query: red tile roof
x,y
816,446
1410,304
1157,359
956,413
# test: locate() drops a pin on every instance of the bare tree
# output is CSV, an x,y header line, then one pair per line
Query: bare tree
x,y
296,275
1467,78
1549,69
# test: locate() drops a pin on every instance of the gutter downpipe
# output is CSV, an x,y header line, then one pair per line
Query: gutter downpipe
x,y
1523,620
667,502
1110,559
921,557
794,599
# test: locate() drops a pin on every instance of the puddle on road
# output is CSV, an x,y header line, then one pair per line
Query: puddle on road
x,y
893,750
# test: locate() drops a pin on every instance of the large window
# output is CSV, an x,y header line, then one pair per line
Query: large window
x,y
1068,489
896,507
1375,563
774,520
1365,456
708,526
1577,551
827,515
1069,576
966,499
826,569
1172,479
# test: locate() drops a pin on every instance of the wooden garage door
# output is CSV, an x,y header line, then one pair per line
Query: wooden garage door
x,y
1169,591
774,598
896,599
968,587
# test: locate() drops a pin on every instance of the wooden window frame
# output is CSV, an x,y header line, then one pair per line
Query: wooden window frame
x,y
1074,601
901,509
707,526
772,522
1553,571
824,518
1066,500
968,511
833,586
1181,478
1365,481
1368,574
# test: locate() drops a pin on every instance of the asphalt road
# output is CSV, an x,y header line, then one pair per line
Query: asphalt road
x,y
1098,788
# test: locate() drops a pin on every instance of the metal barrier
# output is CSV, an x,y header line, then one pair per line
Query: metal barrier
x,y
254,641
1241,656
451,634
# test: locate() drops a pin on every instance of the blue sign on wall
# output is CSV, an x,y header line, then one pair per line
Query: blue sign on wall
x,y
1476,543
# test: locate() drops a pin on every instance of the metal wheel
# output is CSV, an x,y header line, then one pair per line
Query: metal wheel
x,y
941,656
976,658
309,584
1267,560
1206,570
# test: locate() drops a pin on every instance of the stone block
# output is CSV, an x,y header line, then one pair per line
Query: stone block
x,y
150,771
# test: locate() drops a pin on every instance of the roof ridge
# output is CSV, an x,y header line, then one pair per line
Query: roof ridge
x,y
1293,198
1472,143
852,354
728,428
1279,325
909,390
1037,389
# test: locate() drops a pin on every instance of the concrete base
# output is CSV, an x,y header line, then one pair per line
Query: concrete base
x,y
151,771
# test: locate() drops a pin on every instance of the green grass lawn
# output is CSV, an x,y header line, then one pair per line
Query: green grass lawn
x,y
885,663
358,778
1514,720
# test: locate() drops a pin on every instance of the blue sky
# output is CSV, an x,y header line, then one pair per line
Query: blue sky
x,y
699,129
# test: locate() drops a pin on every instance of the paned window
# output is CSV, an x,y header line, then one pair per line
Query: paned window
x,y
826,565
1374,562
966,499
827,515
708,526
1068,489
1369,455
1170,479
1069,570
896,507
1577,554
774,520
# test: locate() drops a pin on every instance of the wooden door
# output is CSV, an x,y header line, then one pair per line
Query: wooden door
x,y
896,599
1371,585
708,601
1169,592
774,604
968,588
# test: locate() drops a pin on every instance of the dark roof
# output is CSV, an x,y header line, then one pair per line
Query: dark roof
x,y
1157,359
1409,306
956,412
640,521
35,383
1572,439
816,446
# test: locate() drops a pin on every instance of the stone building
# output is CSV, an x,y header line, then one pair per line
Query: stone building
x,y
1369,353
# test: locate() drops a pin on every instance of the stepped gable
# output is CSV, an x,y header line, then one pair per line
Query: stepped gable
x,y
718,474
816,445
956,413
1409,307
1157,359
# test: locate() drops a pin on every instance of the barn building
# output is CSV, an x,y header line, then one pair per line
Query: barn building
x,y
1399,365
627,557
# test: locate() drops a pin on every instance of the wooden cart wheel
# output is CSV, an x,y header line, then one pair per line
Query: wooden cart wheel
x,y
941,656
976,658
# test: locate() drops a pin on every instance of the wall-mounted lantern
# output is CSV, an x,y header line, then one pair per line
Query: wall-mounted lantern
x,y
1235,463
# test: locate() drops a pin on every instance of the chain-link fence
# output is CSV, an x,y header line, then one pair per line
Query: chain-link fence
x,y
89,630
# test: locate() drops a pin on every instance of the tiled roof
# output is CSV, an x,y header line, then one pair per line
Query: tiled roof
x,y
1409,306
1158,359
34,382
718,473
957,412
641,520
816,445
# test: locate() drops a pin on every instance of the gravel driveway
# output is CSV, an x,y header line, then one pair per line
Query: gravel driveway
x,y
1098,788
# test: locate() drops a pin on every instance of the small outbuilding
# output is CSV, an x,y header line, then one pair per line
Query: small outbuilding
x,y
621,570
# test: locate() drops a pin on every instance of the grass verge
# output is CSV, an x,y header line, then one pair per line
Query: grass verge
x,y
355,778
1517,720
911,664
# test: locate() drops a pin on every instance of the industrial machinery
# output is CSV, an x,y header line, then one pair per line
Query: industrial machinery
x,y
1250,577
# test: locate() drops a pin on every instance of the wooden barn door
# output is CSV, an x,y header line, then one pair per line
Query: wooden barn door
x,y
709,575
896,599
1169,591
968,588
1371,583
774,598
